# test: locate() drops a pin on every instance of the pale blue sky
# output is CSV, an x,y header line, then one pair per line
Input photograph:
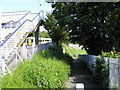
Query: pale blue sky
x,y
21,5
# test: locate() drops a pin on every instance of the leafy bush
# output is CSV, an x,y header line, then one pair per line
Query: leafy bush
x,y
102,69
111,54
16,80
47,69
105,68
102,72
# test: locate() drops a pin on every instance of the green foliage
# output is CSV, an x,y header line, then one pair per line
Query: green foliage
x,y
111,54
16,80
44,34
58,34
102,73
73,51
47,69
93,25
102,69
0,82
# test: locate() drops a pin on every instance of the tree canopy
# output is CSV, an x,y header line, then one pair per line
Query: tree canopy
x,y
57,33
93,25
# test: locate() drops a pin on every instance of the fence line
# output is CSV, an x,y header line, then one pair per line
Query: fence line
x,y
114,72
113,64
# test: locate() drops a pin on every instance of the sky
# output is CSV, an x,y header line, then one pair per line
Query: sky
x,y
21,5
34,6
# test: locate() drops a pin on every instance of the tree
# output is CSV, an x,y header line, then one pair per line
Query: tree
x,y
88,24
58,34
44,34
114,26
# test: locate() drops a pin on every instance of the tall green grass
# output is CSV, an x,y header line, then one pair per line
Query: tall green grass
x,y
47,69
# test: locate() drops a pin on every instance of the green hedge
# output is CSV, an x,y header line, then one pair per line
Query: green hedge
x,y
47,69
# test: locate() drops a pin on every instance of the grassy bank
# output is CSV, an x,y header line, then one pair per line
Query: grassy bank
x,y
73,51
47,69
0,82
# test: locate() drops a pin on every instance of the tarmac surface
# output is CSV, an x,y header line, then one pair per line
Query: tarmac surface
x,y
81,74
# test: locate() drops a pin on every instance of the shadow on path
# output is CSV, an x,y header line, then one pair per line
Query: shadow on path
x,y
81,74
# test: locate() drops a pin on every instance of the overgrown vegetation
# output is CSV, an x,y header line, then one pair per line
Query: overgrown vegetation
x,y
102,67
111,54
47,69
0,82
102,72
44,34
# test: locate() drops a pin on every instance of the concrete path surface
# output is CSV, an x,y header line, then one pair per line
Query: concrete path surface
x,y
81,74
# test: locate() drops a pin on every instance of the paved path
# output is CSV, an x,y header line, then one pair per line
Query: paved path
x,y
81,74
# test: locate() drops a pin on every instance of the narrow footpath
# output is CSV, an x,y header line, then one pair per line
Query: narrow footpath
x,y
81,74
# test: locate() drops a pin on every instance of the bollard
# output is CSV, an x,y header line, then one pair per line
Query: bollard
x,y
79,86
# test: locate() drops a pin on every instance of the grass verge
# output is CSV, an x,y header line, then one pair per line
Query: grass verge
x,y
73,51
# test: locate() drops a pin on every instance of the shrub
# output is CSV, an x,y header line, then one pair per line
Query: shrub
x,y
111,54
47,69
102,72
